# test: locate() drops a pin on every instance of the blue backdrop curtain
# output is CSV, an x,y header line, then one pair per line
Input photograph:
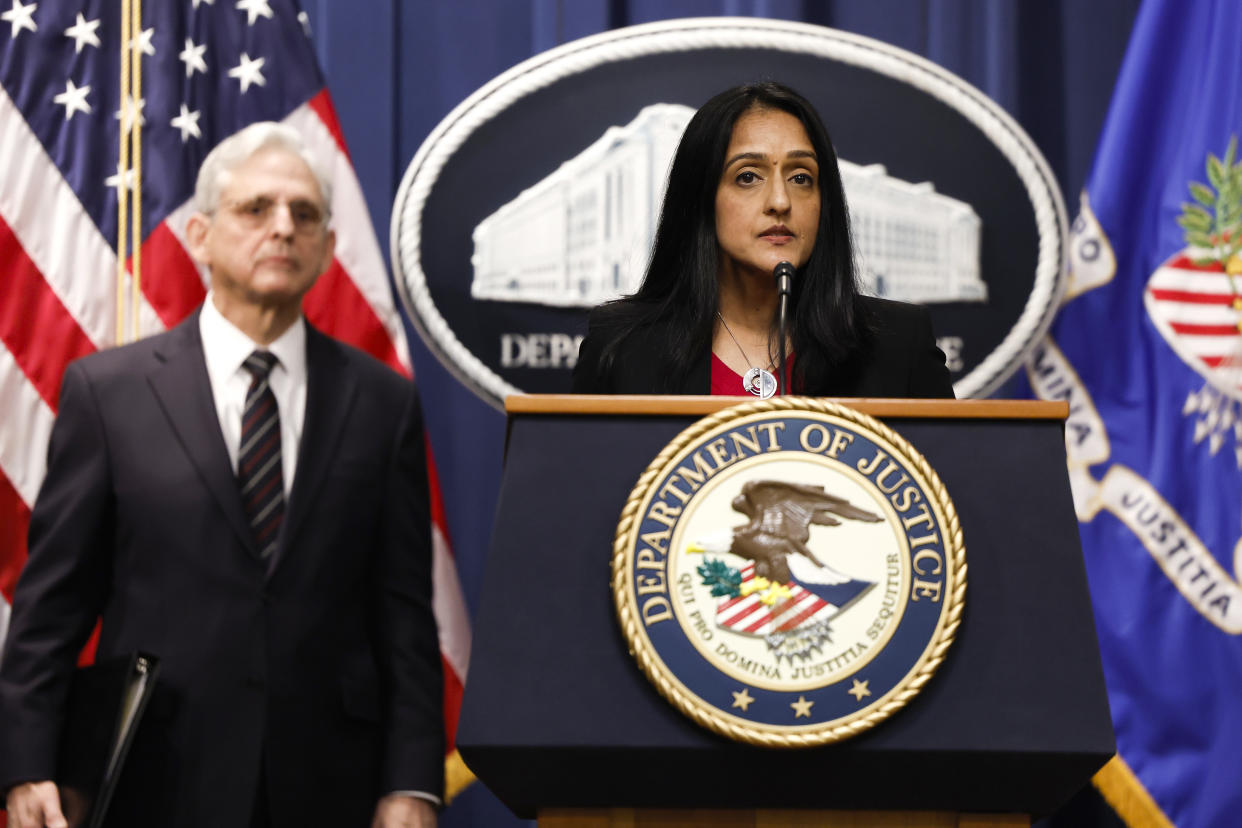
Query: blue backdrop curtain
x,y
396,68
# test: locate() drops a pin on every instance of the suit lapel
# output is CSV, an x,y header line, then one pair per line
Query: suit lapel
x,y
330,392
179,380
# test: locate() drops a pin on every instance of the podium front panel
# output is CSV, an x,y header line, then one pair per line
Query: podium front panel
x,y
557,713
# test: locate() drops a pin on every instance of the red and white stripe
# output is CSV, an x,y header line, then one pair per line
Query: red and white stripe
x,y
1193,308
59,303
748,614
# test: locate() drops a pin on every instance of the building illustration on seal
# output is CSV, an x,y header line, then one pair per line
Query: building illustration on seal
x,y
911,242
581,236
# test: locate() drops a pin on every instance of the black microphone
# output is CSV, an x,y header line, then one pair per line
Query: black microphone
x,y
783,273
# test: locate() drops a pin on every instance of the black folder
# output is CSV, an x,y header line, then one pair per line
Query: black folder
x,y
106,703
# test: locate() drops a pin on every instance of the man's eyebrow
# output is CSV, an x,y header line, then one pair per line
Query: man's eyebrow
x,y
763,156
269,197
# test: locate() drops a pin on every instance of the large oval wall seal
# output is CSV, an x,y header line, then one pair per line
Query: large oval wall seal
x,y
536,198
789,572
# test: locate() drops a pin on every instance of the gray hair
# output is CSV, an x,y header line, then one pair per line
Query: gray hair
x,y
242,145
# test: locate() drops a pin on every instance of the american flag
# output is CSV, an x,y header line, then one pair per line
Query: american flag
x,y
208,68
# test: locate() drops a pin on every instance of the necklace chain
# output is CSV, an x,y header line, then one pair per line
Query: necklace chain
x,y
757,381
740,349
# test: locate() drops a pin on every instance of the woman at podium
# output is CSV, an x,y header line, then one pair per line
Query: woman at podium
x,y
754,185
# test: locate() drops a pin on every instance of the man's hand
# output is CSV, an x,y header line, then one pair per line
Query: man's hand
x,y
35,805
402,811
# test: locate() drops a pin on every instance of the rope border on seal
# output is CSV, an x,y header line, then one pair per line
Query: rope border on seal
x,y
908,688
546,68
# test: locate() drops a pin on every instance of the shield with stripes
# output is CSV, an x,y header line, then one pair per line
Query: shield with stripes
x,y
1197,306
776,612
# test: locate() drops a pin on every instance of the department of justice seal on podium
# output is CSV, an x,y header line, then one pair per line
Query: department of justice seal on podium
x,y
789,572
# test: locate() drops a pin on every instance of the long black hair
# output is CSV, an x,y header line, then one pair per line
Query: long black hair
x,y
678,296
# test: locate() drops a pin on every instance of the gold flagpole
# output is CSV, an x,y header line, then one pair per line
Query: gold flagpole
x,y
135,125
122,166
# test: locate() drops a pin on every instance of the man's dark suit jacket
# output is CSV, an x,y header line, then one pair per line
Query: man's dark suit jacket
x,y
902,360
323,666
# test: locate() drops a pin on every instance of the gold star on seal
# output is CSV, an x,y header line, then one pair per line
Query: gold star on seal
x,y
859,689
742,699
802,707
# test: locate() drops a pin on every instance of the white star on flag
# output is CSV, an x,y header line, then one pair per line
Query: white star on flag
x,y
83,33
248,72
187,122
73,99
20,17
304,19
192,57
144,44
208,2
127,111
115,179
254,9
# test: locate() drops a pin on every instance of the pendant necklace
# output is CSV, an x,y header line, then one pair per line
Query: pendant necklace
x,y
757,381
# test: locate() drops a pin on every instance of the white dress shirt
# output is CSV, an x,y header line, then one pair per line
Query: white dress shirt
x,y
225,349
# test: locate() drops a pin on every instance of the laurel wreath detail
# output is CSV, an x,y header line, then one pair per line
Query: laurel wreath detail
x,y
1213,223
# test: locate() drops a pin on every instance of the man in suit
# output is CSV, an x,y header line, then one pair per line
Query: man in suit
x,y
246,499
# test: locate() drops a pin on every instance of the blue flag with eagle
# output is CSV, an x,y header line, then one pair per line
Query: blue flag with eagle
x,y
1148,351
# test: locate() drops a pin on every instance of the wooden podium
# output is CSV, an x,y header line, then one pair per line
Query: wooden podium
x,y
558,720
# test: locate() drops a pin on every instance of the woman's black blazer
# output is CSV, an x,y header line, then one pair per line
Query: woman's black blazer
x,y
901,360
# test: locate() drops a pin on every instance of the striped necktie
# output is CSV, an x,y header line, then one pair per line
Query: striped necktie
x,y
259,472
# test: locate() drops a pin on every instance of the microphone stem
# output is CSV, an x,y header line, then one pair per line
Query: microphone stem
x,y
783,273
784,367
